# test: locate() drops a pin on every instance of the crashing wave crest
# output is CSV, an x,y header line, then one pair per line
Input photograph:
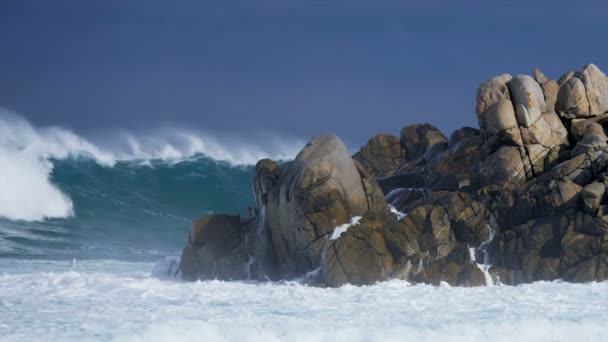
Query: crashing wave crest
x,y
27,192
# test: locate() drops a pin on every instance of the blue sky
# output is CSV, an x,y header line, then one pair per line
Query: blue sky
x,y
297,68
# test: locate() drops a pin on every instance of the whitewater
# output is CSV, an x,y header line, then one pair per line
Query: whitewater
x,y
121,301
91,231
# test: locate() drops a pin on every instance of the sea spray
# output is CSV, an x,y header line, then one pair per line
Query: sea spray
x,y
28,155
341,229
400,215
484,249
260,247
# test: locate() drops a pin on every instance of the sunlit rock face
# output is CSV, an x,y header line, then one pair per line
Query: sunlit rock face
x,y
521,198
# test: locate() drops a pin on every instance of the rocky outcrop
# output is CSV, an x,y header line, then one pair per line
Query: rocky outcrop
x,y
523,198
584,94
214,249
359,255
381,154
522,134
321,189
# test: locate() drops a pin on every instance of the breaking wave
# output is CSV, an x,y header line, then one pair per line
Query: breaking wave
x,y
29,154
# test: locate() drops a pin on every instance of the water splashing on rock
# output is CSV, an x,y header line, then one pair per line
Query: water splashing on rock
x,y
484,249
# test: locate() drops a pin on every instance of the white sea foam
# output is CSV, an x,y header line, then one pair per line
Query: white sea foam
x,y
396,212
341,229
103,301
28,194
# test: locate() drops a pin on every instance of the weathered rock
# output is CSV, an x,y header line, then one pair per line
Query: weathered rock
x,y
596,86
214,249
490,92
591,142
565,77
417,139
539,76
267,173
515,191
550,89
359,256
381,154
523,137
456,168
461,134
584,94
507,165
528,99
321,189
578,126
500,126
595,128
592,195
572,99
433,238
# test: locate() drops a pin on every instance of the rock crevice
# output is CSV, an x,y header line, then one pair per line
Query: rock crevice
x,y
526,193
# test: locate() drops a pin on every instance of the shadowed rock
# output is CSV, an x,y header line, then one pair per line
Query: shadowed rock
x,y
523,193
321,189
381,154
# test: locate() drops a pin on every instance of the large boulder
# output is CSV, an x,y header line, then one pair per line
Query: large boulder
x,y
490,92
523,136
584,94
438,164
596,87
578,127
321,189
528,99
431,242
381,154
556,225
214,249
550,89
359,255
461,134
416,140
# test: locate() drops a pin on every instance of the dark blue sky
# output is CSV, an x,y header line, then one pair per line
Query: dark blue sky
x,y
355,68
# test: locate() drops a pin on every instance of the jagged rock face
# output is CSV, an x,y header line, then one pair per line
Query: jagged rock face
x,y
442,166
461,134
528,99
555,226
267,174
579,126
381,154
522,134
550,89
214,249
360,255
321,189
583,94
417,140
522,189
431,243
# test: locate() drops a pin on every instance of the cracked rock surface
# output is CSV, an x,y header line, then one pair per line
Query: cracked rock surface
x,y
525,194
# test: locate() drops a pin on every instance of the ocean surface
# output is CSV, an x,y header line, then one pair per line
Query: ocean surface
x,y
89,230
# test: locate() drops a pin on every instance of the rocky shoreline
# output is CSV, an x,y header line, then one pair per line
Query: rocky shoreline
x,y
521,199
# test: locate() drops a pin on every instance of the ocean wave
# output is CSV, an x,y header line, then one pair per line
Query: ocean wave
x,y
26,154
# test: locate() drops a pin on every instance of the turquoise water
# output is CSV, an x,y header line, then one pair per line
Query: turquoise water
x,y
129,211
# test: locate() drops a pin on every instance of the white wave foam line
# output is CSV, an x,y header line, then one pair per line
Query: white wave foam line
x,y
92,303
396,212
26,192
341,229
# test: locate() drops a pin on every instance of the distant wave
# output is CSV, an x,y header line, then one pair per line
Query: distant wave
x,y
26,154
